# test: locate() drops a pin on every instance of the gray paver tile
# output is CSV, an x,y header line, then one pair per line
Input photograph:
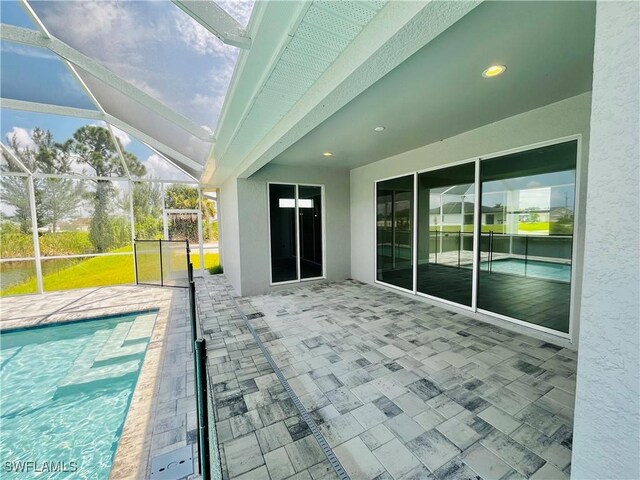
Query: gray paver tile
x,y
243,454
485,463
278,464
433,449
404,427
273,436
357,460
396,458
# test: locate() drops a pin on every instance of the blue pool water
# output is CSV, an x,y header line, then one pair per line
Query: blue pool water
x,y
65,394
533,268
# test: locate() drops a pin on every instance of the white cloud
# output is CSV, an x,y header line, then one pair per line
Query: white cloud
x,y
124,137
22,137
158,167
201,40
238,9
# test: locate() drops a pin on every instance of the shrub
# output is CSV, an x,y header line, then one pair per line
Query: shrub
x,y
65,243
15,245
216,270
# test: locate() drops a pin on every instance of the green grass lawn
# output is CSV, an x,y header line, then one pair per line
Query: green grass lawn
x,y
95,272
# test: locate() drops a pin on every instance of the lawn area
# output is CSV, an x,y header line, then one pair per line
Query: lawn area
x,y
94,272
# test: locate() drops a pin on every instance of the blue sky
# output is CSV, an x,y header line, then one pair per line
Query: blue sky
x,y
154,46
13,14
37,75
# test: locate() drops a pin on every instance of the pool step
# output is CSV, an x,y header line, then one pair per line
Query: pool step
x,y
114,349
141,329
87,370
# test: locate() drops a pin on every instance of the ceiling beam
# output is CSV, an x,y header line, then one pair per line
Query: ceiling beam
x,y
50,109
36,39
216,19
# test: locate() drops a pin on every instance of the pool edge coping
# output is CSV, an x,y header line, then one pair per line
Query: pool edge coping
x,y
132,456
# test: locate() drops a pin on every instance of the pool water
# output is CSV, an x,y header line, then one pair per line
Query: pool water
x,y
533,268
65,394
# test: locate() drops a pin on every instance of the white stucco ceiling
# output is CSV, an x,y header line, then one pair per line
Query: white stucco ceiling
x,y
439,91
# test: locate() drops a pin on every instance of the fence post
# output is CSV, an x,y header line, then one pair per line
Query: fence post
x,y
203,407
135,260
161,270
526,253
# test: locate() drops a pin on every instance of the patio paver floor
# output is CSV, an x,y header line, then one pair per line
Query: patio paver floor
x,y
399,388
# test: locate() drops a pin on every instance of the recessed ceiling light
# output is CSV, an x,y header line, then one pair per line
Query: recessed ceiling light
x,y
379,129
327,154
494,71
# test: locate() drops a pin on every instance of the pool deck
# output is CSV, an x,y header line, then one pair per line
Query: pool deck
x,y
399,388
162,413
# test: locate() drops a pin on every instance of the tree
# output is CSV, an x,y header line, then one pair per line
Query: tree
x,y
147,210
15,194
55,198
95,148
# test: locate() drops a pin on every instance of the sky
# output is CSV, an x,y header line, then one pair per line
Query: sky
x,y
21,124
159,49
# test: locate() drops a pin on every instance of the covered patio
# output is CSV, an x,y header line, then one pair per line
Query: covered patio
x,y
397,388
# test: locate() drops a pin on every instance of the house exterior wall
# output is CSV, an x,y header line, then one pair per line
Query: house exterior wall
x,y
249,269
561,119
607,410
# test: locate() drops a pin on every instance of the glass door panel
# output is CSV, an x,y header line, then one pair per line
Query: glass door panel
x,y
310,231
526,236
446,200
394,227
282,216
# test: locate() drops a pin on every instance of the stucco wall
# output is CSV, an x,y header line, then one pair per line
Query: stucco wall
x,y
607,414
230,232
254,226
568,117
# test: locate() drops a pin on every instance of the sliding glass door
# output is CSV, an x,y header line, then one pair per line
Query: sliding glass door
x,y
528,205
508,256
394,225
296,232
446,202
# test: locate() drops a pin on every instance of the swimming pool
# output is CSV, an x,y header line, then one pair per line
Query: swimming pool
x,y
65,394
533,268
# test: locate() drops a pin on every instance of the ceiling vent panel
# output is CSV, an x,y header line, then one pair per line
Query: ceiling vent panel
x,y
301,60
356,12
321,37
313,50
332,23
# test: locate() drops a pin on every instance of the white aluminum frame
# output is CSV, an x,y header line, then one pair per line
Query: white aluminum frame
x,y
324,234
38,258
477,232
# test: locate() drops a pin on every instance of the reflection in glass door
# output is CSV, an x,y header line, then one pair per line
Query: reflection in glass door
x,y
296,232
446,201
509,256
394,224
528,205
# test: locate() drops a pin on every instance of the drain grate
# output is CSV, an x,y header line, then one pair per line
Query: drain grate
x,y
251,316
173,465
331,456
